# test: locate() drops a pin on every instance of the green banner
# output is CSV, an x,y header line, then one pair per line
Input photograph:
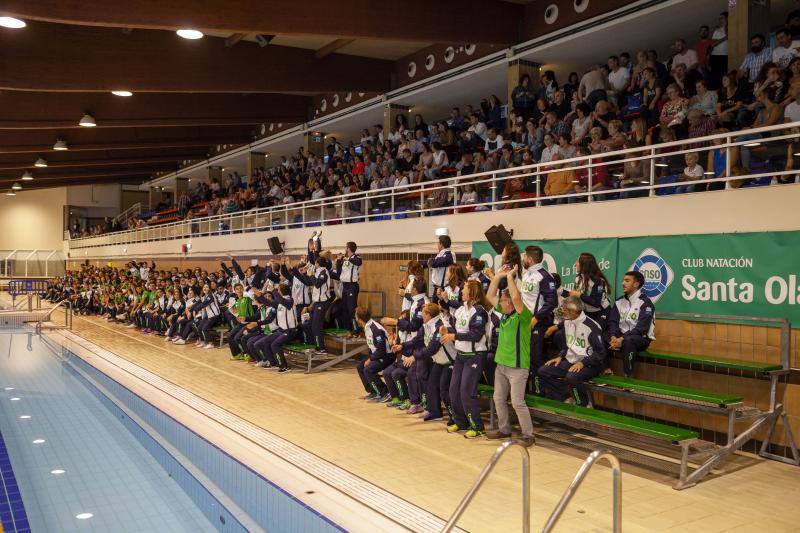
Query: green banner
x,y
753,274
560,256
747,274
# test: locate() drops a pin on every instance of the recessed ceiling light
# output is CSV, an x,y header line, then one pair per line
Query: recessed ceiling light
x,y
60,145
14,399
87,121
753,144
16,187
662,165
11,193
27,176
122,93
39,441
24,417
41,162
11,22
84,516
9,388
57,471
190,34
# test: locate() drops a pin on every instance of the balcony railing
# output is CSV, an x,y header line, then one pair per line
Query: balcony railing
x,y
443,196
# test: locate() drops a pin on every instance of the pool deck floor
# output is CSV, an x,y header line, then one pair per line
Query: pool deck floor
x,y
420,462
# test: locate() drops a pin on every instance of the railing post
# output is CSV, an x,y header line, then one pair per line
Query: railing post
x,y
652,171
538,188
494,191
590,177
303,216
421,200
728,161
391,204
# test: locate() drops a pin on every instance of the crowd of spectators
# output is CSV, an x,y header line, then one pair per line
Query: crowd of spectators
x,y
627,102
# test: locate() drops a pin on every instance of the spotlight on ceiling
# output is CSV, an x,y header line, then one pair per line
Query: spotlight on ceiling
x,y
11,22
16,186
122,93
27,176
41,163
60,145
87,121
190,34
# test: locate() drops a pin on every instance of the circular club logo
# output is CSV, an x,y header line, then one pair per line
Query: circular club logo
x,y
657,273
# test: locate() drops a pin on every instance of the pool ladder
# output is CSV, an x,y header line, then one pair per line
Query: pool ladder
x,y
587,465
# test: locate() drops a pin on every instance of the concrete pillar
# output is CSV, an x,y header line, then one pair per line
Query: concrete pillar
x,y
744,19
314,143
155,196
255,160
390,112
214,172
515,70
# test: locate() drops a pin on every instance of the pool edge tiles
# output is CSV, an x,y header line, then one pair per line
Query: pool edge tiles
x,y
397,513
12,510
222,469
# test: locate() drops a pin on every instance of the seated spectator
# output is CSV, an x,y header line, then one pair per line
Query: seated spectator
x,y
692,172
560,106
550,149
634,173
603,114
685,56
494,142
755,59
618,79
699,125
599,175
731,103
705,100
596,140
565,148
549,86
717,158
786,50
616,139
651,94
582,124
769,80
674,111
769,115
560,181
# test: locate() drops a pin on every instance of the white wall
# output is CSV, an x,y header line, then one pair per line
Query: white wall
x,y
762,209
32,219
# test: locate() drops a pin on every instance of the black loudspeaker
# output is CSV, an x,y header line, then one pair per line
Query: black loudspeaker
x,y
275,246
498,237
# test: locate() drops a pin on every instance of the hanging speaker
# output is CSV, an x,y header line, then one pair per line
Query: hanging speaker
x,y
498,237
275,246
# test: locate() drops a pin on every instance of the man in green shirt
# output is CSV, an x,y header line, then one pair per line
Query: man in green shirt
x,y
512,357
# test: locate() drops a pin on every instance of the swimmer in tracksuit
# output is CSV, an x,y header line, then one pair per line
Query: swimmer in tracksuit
x,y
438,265
347,271
631,321
379,357
272,346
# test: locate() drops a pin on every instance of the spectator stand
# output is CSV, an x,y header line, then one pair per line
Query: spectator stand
x,y
681,442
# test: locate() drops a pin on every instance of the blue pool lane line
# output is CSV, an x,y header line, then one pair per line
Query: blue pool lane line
x,y
12,510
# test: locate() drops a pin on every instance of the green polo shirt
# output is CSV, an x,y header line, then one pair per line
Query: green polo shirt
x,y
514,339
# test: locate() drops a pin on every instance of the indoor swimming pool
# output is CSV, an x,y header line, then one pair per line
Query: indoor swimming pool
x,y
79,452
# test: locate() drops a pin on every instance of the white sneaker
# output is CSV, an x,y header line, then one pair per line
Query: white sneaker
x,y
180,341
168,339
207,345
261,364
130,326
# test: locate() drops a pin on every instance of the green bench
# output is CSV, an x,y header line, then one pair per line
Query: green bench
x,y
674,393
713,361
596,417
337,332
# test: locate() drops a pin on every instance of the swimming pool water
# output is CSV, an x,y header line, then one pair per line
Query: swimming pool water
x,y
51,422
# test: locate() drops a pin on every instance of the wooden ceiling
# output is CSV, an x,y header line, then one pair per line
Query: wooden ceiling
x,y
192,95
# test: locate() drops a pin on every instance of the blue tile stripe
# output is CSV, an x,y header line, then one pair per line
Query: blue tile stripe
x,y
12,510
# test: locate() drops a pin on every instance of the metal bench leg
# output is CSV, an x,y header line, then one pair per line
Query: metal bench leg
x,y
335,361
682,483
788,441
731,426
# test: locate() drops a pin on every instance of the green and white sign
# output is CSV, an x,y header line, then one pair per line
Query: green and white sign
x,y
752,274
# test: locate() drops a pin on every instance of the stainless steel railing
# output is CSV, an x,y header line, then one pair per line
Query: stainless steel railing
x,y
587,465
526,486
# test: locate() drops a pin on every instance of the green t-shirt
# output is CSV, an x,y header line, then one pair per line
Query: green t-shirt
x,y
514,339
244,307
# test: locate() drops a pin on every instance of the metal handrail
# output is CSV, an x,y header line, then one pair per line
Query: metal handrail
x,y
526,486
579,477
280,215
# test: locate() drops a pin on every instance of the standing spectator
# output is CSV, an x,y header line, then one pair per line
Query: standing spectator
x,y
571,87
786,50
684,56
702,47
593,86
618,78
718,60
494,114
523,97
549,86
758,55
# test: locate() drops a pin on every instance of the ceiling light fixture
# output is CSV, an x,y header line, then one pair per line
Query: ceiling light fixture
x,y
39,441
57,471
60,145
190,34
87,121
41,163
122,93
11,193
27,176
11,22
24,417
16,187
